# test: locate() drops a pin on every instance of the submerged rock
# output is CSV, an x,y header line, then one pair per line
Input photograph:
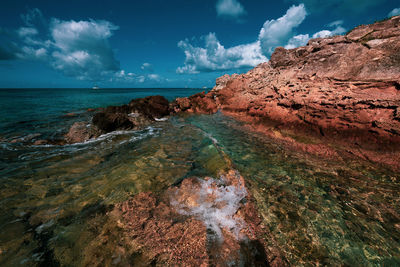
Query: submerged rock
x,y
190,225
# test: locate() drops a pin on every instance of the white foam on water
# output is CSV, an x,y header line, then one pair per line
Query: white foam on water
x,y
215,141
44,226
161,119
216,205
133,136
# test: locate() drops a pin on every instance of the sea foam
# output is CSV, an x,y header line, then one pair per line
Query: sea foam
x,y
216,204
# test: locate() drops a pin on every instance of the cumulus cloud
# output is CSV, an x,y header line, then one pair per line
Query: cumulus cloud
x,y
146,67
151,78
229,8
78,49
302,39
130,77
215,56
394,12
81,48
298,40
277,32
154,77
31,53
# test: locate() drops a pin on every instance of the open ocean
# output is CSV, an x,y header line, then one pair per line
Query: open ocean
x,y
54,199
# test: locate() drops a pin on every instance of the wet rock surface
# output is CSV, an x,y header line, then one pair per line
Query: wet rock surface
x,y
133,116
188,225
79,132
340,92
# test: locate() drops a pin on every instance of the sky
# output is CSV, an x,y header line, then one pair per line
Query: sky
x,y
161,43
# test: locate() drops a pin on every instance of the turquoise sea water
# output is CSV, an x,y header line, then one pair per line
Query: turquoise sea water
x,y
54,199
36,110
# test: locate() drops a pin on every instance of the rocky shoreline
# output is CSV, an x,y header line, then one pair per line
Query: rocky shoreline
x,y
336,97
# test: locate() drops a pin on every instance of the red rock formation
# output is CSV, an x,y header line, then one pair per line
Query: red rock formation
x,y
344,90
198,103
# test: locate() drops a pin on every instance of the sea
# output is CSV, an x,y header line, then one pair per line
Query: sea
x,y
342,212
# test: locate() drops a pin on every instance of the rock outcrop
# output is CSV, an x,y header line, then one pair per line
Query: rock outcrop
x,y
342,90
193,224
137,114
198,103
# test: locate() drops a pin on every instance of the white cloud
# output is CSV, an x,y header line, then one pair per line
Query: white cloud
x,y
215,56
146,67
394,12
129,77
81,48
154,77
229,8
277,32
336,31
31,53
302,39
298,40
78,49
280,32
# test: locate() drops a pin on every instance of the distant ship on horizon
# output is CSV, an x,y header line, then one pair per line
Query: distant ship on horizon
x,y
95,87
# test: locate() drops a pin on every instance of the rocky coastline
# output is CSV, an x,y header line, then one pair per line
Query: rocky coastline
x,y
336,97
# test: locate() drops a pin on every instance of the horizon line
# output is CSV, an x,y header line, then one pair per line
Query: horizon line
x,y
1,88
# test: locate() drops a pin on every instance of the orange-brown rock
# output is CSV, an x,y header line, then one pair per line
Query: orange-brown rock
x,y
153,229
80,132
344,90
198,103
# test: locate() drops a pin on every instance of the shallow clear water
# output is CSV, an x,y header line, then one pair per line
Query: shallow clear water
x,y
54,199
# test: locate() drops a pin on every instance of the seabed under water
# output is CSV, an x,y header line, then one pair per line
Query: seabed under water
x,y
54,199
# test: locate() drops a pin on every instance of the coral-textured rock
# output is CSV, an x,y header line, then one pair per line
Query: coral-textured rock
x,y
80,132
343,89
172,229
198,103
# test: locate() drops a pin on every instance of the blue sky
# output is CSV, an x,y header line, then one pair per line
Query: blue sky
x,y
157,43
